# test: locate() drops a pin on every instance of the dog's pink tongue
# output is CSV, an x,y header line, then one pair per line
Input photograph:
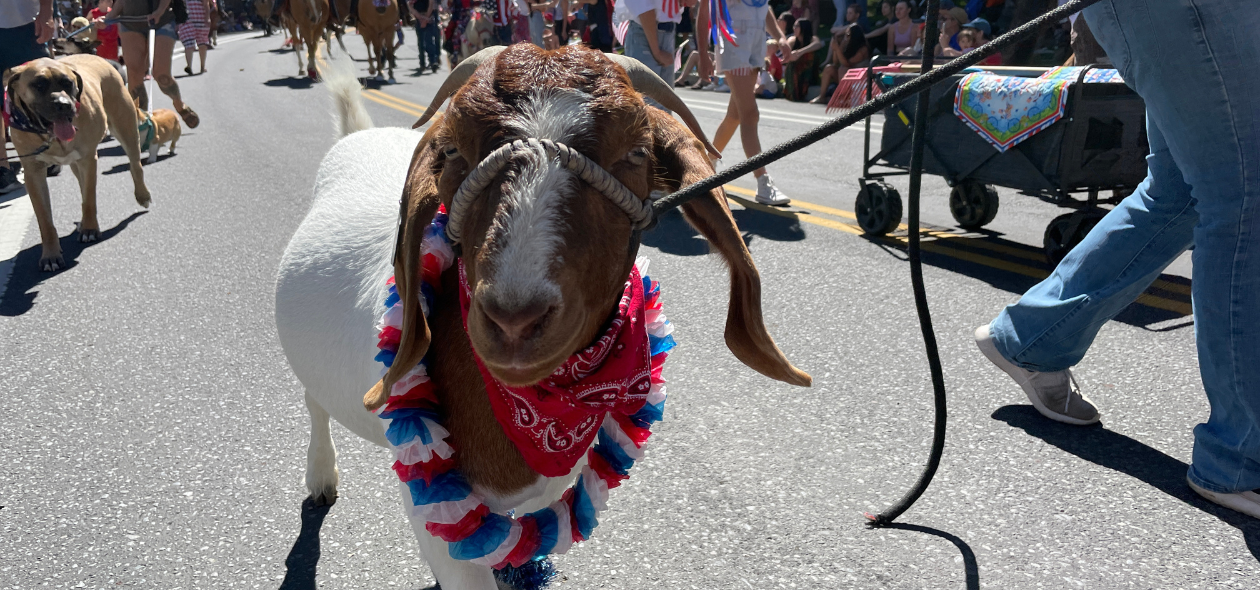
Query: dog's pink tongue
x,y
64,130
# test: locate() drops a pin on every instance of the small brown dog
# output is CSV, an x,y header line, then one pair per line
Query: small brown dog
x,y
165,129
59,111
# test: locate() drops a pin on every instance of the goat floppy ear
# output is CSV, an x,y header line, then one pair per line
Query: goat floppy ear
x,y
420,202
682,157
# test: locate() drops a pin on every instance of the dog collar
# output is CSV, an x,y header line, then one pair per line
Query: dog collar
x,y
17,119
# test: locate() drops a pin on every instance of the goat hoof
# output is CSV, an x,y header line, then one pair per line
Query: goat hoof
x,y
89,235
52,263
326,498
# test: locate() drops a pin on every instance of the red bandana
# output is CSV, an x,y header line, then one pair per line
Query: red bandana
x,y
553,422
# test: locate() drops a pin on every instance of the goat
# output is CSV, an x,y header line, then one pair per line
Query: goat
x,y
546,257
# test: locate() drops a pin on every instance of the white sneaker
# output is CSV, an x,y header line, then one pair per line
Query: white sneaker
x,y
722,87
768,194
1054,394
1245,502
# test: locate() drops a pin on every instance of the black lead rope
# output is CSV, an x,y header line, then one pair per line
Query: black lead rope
x,y
927,78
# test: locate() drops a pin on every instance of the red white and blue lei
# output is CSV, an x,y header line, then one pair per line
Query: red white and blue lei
x,y
425,461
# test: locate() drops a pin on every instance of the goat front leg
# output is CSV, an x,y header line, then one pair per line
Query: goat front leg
x,y
451,573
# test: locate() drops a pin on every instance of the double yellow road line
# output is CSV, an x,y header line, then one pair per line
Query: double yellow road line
x,y
1024,262
394,102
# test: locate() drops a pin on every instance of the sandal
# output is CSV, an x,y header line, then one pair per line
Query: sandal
x,y
190,117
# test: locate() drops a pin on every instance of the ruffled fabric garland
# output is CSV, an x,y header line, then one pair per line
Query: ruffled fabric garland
x,y
425,461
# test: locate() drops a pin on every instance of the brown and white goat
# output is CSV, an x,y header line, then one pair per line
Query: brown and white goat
x,y
546,255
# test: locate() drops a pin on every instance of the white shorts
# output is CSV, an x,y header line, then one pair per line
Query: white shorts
x,y
749,55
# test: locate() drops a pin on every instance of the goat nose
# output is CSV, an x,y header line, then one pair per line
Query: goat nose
x,y
519,323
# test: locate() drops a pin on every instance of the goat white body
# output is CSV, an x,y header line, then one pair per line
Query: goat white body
x,y
330,293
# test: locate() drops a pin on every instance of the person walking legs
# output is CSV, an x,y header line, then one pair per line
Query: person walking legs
x,y
427,33
1191,61
740,65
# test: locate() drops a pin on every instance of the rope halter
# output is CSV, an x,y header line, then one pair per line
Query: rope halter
x,y
640,212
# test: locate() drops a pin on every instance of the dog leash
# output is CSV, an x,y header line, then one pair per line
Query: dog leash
x,y
41,149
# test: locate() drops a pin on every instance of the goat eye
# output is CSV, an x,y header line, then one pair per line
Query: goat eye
x,y
451,152
637,156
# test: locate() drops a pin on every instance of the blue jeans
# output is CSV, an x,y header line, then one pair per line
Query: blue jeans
x,y
428,39
1193,63
638,48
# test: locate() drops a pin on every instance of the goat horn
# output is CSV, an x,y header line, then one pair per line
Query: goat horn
x,y
455,81
646,81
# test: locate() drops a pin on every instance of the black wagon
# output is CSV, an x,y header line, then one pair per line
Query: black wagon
x,y
1099,145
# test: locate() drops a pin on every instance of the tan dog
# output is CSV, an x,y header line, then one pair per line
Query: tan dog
x,y
376,24
59,113
166,129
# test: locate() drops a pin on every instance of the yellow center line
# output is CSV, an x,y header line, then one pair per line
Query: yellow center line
x,y
395,99
373,98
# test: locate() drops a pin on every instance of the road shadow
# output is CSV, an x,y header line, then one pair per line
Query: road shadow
x,y
374,84
292,83
19,296
1118,452
673,235
418,72
303,558
20,193
117,151
971,569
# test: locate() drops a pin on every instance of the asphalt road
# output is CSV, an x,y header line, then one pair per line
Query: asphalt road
x,y
152,435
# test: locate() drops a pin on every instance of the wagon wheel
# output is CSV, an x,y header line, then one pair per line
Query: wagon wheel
x,y
1066,231
878,209
973,204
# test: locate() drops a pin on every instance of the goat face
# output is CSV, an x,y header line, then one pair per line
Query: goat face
x,y
546,254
